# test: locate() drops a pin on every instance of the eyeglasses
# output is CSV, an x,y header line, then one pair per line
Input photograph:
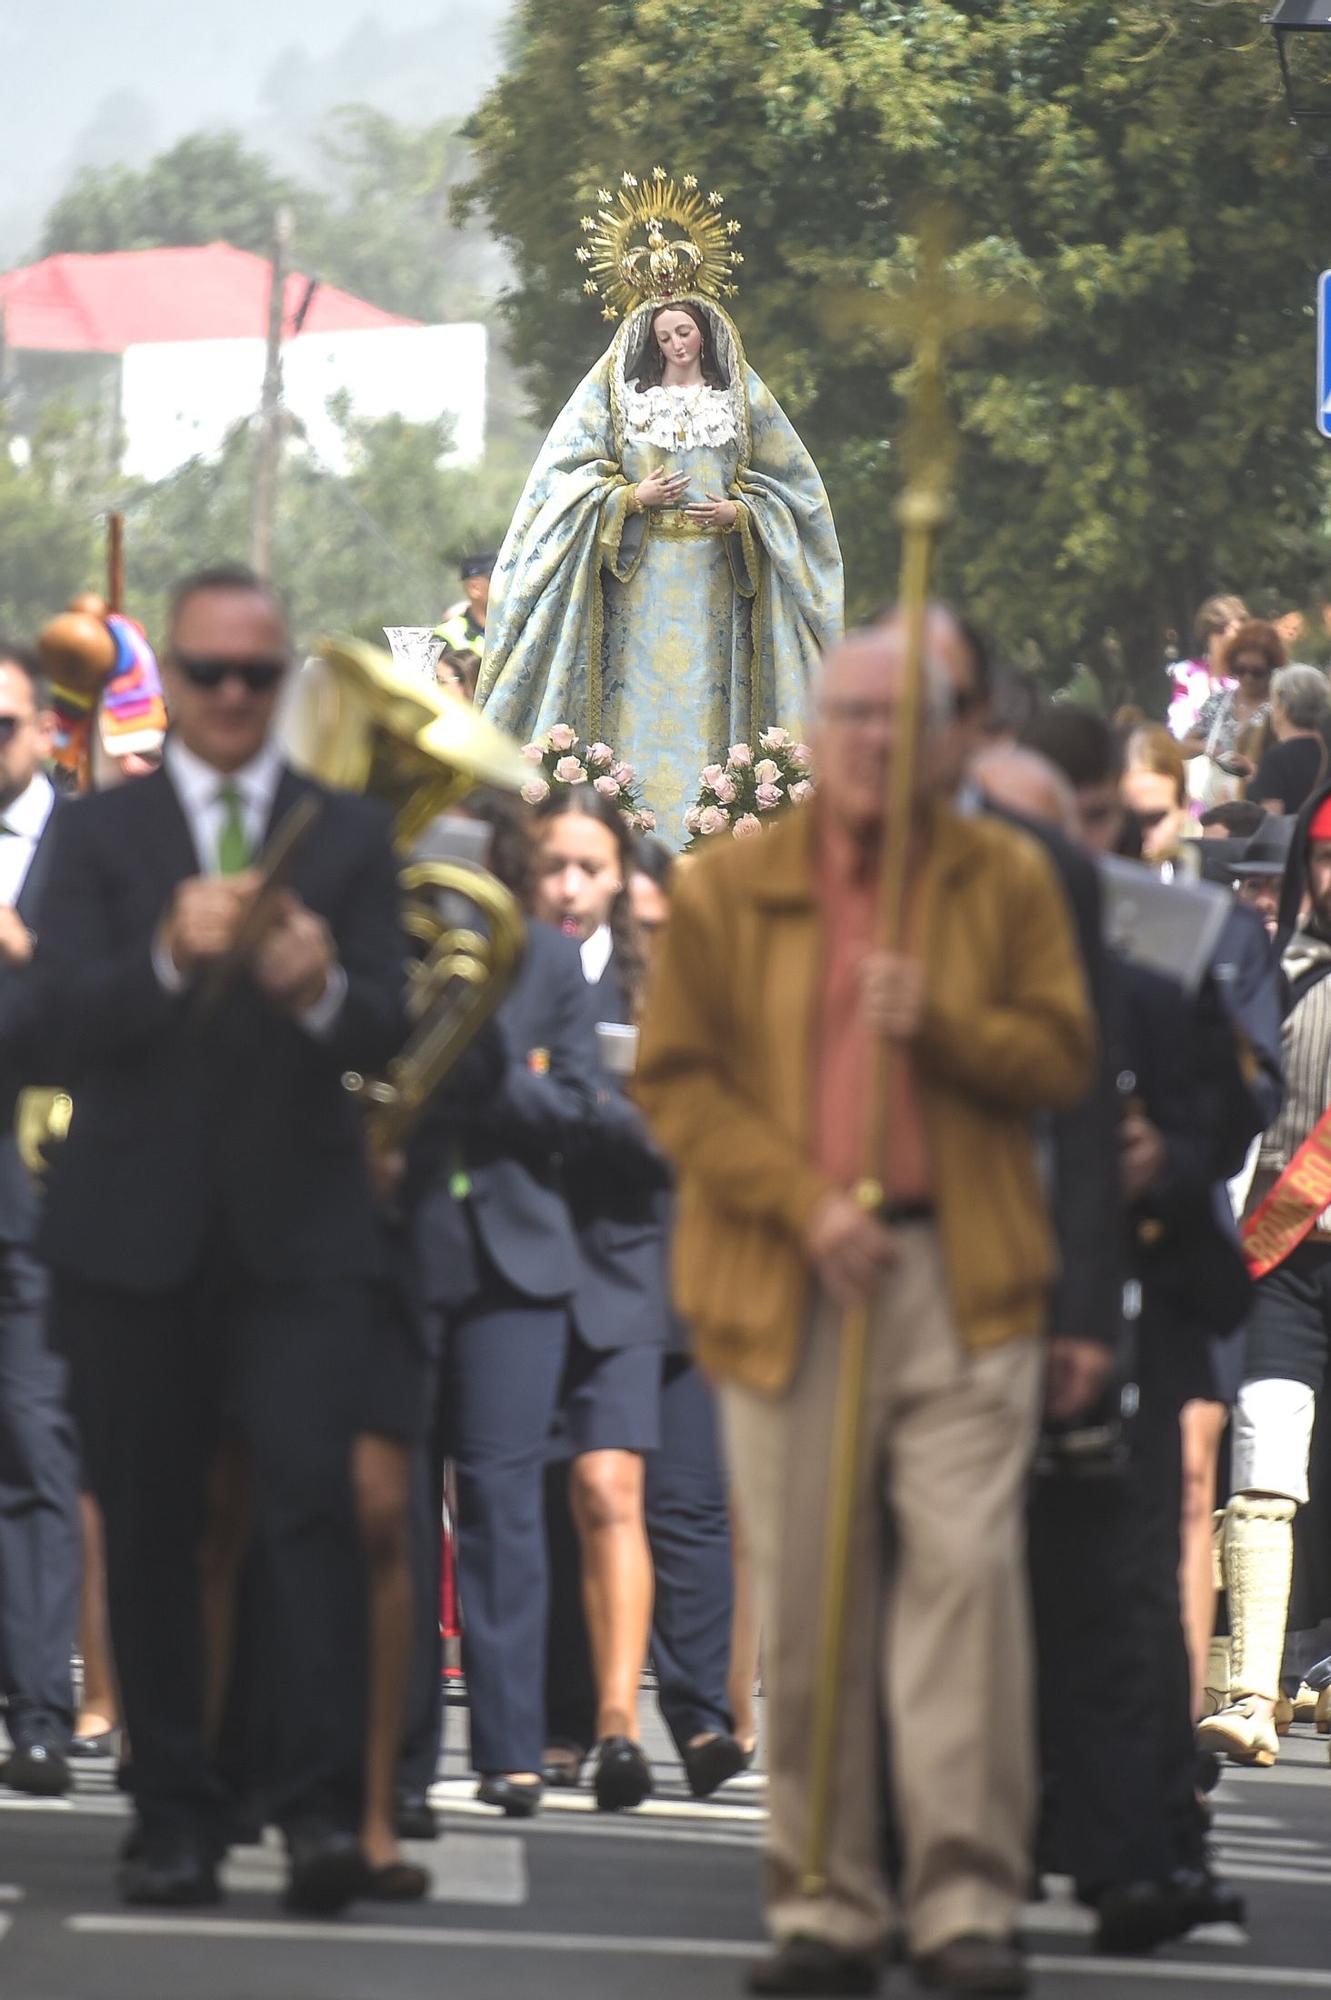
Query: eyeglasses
x,y
259,676
1252,673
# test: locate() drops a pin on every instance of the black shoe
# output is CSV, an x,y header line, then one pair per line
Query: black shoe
x,y
167,1871
709,1765
37,1769
623,1777
1203,1898
398,1882
513,1800
563,1773
327,1869
99,1748
974,1964
415,1817
807,1965
1136,1917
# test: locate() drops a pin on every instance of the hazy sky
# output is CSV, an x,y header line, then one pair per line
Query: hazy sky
x,y
96,80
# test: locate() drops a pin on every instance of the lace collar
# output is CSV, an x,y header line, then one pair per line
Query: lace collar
x,y
679,418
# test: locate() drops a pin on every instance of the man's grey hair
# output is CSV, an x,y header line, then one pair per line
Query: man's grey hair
x,y
938,703
1304,694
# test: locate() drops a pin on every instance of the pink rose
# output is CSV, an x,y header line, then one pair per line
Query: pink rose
x,y
725,790
801,790
534,752
693,820
607,788
561,737
601,755
623,775
568,771
769,797
771,739
712,820
712,777
535,790
739,756
646,821
746,825
767,773
802,755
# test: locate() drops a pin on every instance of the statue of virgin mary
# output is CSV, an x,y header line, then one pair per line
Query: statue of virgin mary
x,y
671,574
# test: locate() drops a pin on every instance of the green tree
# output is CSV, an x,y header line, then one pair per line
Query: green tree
x,y
1133,166
205,188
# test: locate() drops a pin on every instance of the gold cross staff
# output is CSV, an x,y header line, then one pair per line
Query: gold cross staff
x,y
931,315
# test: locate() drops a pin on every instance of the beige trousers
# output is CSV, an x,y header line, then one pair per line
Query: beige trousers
x,y
937,1643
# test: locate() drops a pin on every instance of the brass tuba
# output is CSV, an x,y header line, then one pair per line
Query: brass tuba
x,y
353,719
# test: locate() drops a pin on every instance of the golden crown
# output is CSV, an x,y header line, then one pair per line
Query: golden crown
x,y
655,240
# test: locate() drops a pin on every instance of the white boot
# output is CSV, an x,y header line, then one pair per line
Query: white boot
x,y
1258,1558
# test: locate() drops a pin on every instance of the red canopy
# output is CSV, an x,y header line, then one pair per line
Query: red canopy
x,y
104,304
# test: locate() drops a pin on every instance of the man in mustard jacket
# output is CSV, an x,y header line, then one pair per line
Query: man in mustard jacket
x,y
755,1072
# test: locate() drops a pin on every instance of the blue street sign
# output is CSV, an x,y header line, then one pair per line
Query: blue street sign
x,y
1324,355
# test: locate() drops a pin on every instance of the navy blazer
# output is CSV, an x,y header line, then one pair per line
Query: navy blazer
x,y
18,1193
185,1127
619,1187
508,1148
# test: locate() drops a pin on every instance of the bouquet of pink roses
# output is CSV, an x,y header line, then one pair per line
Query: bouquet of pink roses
x,y
563,758
737,797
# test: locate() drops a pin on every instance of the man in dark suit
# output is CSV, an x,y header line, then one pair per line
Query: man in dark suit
x,y
210,1228
39,1479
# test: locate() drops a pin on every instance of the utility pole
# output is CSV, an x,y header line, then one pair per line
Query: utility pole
x,y
268,447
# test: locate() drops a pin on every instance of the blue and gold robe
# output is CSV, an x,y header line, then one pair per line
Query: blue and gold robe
x,y
667,640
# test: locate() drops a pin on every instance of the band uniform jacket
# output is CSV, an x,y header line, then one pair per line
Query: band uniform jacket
x,y
619,1190
18,1195
189,1123
491,1173
725,1078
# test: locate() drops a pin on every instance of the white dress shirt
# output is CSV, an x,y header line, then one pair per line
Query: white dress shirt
x,y
22,825
596,952
200,789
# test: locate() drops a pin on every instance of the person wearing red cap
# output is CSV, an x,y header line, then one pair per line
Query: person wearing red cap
x,y
1287,1240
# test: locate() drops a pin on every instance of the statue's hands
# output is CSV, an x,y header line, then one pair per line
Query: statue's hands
x,y
661,489
714,512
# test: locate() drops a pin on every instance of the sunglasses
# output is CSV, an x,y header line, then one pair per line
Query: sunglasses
x,y
10,726
1148,821
259,676
1252,673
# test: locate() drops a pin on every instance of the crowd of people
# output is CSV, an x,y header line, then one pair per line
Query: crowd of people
x,y
594,1314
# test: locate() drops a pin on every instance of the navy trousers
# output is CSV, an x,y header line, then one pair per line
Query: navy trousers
x,y
40,1546
501,1363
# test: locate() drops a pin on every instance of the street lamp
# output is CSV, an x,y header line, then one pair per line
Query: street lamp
x,y
1305,66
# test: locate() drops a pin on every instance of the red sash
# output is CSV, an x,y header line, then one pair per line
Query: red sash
x,y
1291,1209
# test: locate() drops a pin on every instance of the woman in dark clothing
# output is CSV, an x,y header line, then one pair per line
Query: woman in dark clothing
x,y
498,1264
1295,765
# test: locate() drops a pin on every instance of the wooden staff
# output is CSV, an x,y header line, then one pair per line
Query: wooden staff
x,y
115,562
933,314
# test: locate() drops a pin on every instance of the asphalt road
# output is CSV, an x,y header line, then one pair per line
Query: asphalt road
x,y
574,1906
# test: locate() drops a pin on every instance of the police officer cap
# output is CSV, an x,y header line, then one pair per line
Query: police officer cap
x,y
477,566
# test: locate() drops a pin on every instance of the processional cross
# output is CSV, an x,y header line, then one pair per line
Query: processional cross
x,y
931,316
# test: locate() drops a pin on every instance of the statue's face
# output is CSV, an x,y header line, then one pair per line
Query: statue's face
x,y
679,338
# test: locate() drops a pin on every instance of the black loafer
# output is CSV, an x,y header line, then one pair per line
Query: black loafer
x,y
415,1817
397,1882
807,1965
563,1773
93,1748
168,1874
709,1765
623,1777
327,1870
38,1770
1135,1917
1204,1899
513,1800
